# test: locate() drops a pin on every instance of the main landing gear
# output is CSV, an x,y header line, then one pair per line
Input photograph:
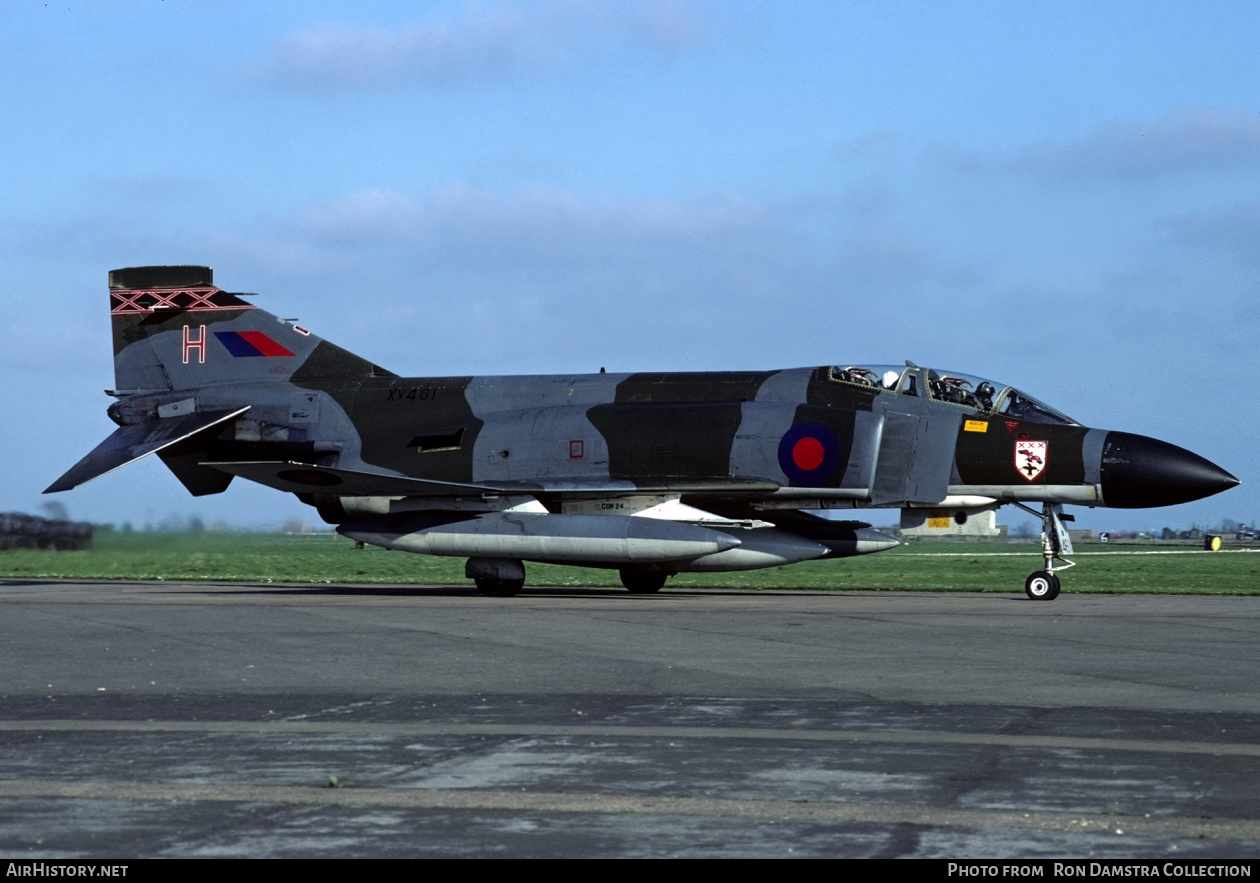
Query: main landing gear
x,y
1055,543
642,582
496,577
505,577
498,588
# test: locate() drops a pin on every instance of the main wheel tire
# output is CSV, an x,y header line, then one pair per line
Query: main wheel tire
x,y
1042,586
498,588
642,582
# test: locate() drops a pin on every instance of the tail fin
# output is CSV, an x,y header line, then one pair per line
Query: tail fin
x,y
175,329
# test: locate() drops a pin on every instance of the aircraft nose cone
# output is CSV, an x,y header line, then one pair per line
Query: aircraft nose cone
x,y
1138,472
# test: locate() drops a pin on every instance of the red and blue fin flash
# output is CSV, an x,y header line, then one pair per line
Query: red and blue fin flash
x,y
250,344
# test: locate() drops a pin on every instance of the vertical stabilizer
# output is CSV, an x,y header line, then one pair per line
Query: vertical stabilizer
x,y
173,328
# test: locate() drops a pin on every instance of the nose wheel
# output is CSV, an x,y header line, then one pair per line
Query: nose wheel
x,y
1055,543
1042,586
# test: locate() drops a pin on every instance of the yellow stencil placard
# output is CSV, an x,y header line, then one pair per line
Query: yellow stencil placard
x,y
976,426
938,522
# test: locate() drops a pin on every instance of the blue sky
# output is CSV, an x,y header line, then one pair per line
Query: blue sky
x,y
1063,196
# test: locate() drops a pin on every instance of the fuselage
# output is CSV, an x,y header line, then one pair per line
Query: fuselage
x,y
811,432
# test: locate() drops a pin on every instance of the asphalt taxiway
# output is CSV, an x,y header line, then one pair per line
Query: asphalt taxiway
x,y
162,719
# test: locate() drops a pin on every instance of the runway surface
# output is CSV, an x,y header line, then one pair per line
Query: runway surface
x,y
155,719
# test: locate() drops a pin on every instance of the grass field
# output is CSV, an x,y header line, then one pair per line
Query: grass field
x,y
931,567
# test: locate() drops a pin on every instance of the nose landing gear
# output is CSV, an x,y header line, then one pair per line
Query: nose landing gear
x,y
1043,585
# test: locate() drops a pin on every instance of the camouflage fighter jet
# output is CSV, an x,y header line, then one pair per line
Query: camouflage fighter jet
x,y
650,474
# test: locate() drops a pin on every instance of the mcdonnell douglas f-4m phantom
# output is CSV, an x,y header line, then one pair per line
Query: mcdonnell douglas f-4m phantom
x,y
650,474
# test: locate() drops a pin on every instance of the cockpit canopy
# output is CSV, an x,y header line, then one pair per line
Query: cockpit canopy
x,y
966,390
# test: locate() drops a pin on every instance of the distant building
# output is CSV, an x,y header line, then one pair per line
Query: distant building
x,y
951,524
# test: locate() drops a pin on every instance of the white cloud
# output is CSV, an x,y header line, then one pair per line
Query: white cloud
x,y
536,221
1234,230
1180,141
871,145
487,42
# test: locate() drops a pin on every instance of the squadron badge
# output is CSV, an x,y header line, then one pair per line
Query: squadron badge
x,y
1030,458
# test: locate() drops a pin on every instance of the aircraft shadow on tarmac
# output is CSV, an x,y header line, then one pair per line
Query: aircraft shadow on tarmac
x,y
561,592
609,593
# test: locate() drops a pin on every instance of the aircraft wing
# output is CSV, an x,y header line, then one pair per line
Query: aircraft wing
x,y
303,478
129,443
297,478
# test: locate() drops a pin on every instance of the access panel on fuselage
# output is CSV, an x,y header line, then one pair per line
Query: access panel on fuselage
x,y
916,457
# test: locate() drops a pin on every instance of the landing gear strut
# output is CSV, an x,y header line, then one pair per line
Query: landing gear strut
x,y
1055,543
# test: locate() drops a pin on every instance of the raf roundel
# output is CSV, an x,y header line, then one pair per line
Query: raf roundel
x,y
808,454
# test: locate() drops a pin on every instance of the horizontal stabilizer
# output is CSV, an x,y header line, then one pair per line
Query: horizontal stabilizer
x,y
129,443
303,478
